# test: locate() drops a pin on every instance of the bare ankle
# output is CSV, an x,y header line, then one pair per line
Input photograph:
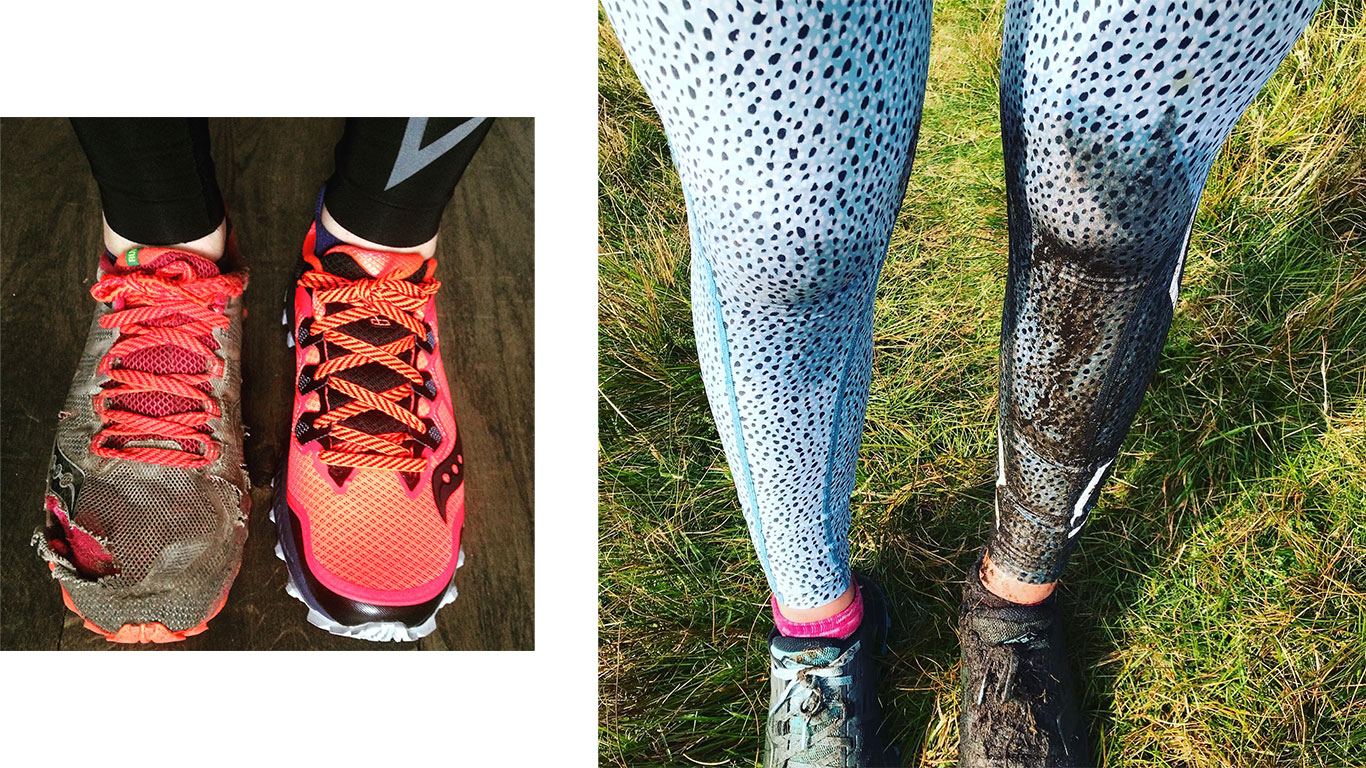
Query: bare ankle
x,y
808,615
210,246
427,249
1009,588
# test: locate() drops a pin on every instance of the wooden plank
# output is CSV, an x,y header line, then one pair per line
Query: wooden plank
x,y
270,171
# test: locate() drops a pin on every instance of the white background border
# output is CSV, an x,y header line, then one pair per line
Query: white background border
x,y
498,57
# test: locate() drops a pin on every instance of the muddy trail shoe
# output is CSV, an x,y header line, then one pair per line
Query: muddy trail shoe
x,y
147,498
1018,709
370,503
823,707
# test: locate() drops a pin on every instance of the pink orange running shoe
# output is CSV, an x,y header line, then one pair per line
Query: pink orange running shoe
x,y
147,498
370,502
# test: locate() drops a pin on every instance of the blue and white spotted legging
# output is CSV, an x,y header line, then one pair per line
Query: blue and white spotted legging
x,y
793,126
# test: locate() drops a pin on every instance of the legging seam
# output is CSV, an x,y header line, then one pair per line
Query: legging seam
x,y
827,520
723,345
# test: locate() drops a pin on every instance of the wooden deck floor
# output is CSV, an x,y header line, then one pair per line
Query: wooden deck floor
x,y
270,171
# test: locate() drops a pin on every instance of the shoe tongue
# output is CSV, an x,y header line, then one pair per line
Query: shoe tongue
x,y
807,651
166,358
998,621
153,260
355,263
1013,624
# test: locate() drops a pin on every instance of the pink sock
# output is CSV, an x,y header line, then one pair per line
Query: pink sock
x,y
841,625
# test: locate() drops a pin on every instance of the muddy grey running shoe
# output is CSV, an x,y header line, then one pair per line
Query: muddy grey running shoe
x,y
147,497
1018,710
823,708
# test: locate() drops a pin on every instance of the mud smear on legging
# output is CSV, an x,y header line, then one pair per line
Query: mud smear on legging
x,y
1087,312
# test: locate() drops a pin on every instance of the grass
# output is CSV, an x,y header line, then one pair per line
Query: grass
x,y
1217,603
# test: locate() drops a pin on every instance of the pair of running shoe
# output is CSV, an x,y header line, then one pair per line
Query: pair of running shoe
x,y
148,496
1018,707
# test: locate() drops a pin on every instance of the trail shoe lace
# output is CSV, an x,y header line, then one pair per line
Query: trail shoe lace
x,y
823,708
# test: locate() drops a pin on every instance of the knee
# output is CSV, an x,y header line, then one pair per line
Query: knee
x,y
1118,204
795,249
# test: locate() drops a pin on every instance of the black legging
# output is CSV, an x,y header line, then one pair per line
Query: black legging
x,y
392,180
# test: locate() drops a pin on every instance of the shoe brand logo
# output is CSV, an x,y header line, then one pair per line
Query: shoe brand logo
x,y
413,157
64,480
448,476
132,257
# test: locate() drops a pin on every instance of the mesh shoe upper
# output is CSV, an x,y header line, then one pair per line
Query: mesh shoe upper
x,y
147,498
375,474
1018,708
823,708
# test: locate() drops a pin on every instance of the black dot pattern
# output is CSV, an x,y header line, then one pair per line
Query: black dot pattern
x,y
792,125
1111,114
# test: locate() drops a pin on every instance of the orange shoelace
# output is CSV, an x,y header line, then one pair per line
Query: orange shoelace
x,y
399,301
151,302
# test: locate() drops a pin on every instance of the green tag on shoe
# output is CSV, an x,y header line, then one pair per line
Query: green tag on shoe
x,y
132,257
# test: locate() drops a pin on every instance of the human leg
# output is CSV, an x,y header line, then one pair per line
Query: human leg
x,y
157,183
1111,118
793,131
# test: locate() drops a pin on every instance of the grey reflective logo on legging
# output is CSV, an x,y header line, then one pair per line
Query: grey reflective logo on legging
x,y
413,157
1079,511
